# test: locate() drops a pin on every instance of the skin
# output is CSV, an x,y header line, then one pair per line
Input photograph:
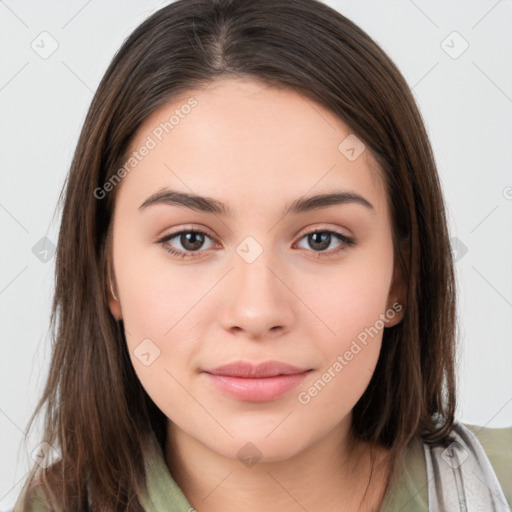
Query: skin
x,y
256,149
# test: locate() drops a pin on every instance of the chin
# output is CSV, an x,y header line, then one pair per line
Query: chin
x,y
258,448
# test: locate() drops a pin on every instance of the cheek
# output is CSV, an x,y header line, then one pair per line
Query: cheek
x,y
351,310
349,348
160,306
161,329
159,297
351,300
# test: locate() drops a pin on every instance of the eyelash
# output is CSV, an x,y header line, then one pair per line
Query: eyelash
x,y
346,243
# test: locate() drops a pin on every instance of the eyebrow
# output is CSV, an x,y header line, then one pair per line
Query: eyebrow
x,y
209,205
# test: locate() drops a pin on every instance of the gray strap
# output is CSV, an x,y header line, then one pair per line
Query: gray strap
x,y
460,476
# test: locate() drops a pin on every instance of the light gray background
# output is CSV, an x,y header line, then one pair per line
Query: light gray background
x,y
466,103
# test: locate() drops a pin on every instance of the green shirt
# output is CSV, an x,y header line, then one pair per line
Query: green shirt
x,y
407,490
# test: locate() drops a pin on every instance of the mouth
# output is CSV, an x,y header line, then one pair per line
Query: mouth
x,y
256,382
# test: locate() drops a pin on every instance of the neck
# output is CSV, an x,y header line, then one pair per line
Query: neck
x,y
331,474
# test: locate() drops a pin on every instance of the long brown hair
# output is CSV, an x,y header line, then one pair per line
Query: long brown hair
x,y
97,414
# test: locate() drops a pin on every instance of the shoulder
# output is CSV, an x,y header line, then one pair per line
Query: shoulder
x,y
32,499
497,444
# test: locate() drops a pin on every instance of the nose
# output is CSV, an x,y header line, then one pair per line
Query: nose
x,y
257,299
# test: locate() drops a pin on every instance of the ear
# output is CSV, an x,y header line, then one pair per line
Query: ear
x,y
397,294
113,295
113,302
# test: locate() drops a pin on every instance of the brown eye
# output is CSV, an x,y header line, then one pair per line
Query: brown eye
x,y
186,242
191,240
320,240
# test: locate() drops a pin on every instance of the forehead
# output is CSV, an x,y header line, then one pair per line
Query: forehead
x,y
248,141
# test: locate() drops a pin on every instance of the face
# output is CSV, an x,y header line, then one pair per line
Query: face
x,y
261,275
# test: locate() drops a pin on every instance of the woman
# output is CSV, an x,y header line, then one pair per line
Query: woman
x,y
255,301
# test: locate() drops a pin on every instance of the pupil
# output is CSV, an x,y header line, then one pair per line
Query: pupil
x,y
191,241
316,238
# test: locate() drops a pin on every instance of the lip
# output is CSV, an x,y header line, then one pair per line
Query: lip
x,y
256,382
